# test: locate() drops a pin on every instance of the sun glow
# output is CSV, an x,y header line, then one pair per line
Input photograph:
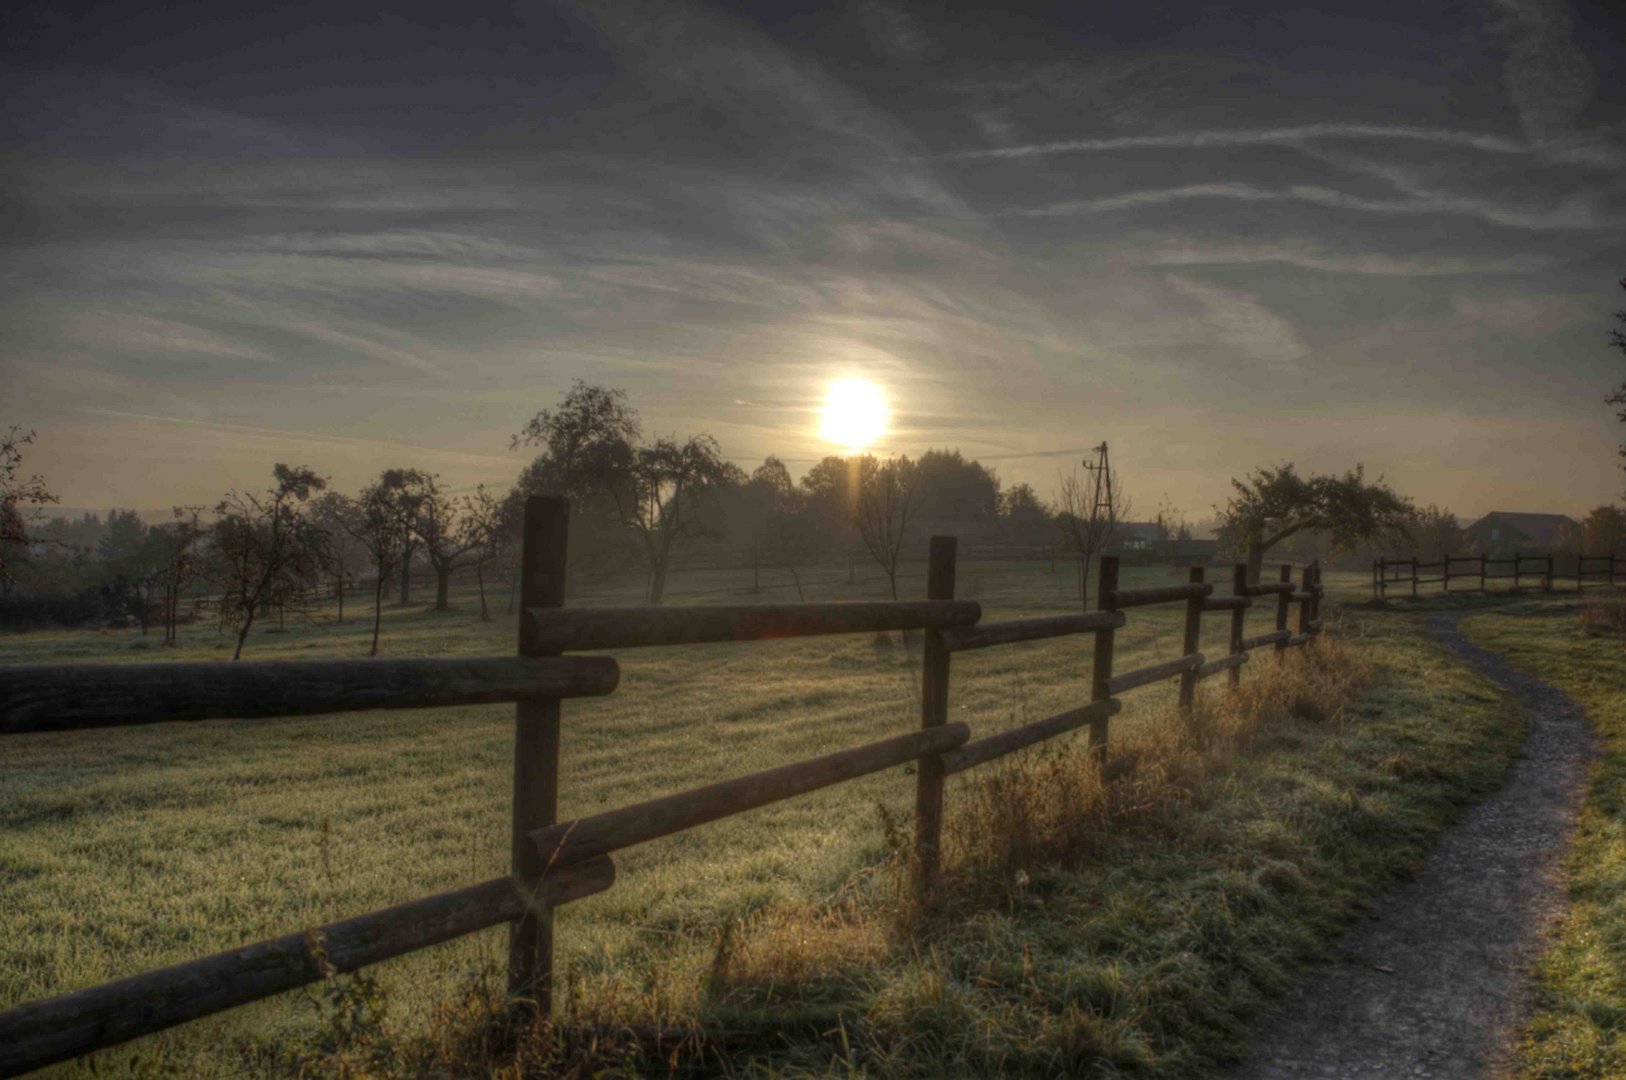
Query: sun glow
x,y
854,414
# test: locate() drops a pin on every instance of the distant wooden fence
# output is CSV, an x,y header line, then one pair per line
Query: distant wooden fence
x,y
1591,572
554,862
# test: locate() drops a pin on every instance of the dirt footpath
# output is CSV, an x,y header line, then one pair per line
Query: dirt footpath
x,y
1434,984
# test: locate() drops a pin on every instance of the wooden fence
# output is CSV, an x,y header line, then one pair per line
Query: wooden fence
x,y
555,862
1591,572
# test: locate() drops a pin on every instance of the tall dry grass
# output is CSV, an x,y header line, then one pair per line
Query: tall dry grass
x,y
1051,802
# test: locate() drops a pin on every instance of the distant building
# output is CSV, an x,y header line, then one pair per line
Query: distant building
x,y
1137,535
1147,541
1502,531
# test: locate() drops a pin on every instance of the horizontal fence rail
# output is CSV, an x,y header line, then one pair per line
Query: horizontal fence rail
x,y
986,635
61,697
1223,663
1019,738
576,629
44,1032
1145,676
1159,594
586,838
555,862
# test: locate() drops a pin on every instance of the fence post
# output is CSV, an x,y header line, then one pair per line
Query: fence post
x,y
1414,577
1239,588
934,685
1286,578
1445,585
1547,582
1377,577
1315,595
1194,619
1611,569
1306,583
1482,585
1106,585
536,753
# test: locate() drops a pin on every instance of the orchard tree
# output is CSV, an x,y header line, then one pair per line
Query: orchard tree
x,y
486,518
1273,504
656,498
379,525
16,492
450,538
334,513
1434,533
403,487
887,495
830,499
267,545
593,450
772,523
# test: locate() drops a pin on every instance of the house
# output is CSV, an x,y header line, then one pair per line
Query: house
x,y
1503,531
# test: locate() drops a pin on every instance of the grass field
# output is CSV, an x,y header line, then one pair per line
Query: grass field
x,y
121,850
1579,1029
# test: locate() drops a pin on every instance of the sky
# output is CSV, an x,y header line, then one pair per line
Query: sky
x,y
1215,236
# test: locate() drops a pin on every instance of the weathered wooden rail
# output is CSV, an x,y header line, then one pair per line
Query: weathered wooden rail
x,y
1591,572
555,862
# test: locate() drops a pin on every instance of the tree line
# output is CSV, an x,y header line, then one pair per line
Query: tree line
x,y
638,502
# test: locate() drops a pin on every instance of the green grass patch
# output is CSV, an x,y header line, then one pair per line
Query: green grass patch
x,y
1579,1025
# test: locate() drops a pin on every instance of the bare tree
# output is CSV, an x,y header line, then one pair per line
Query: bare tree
x,y
1088,512
267,545
886,499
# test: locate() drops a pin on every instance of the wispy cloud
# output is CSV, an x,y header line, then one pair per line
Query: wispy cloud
x,y
1277,136
1313,256
1570,215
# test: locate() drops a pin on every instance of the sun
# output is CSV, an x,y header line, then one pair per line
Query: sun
x,y
854,414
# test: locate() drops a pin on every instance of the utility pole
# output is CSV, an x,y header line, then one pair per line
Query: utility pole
x,y
1102,510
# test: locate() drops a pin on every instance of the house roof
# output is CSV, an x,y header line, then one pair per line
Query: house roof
x,y
1547,529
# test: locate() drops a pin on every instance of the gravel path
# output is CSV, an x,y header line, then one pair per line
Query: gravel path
x,y
1433,984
